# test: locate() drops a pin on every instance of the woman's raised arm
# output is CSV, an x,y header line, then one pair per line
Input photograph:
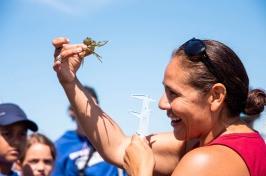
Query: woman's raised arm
x,y
102,131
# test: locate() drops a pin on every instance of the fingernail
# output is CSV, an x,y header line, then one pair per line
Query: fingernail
x,y
79,50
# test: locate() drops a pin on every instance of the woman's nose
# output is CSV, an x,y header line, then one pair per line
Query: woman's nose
x,y
164,103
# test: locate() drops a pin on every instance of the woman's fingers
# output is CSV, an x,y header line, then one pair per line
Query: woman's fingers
x,y
71,46
138,158
69,50
59,41
139,140
63,50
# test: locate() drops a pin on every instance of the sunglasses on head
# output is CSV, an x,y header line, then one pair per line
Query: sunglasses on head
x,y
195,49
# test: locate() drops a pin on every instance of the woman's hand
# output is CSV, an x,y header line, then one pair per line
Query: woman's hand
x,y
67,59
138,158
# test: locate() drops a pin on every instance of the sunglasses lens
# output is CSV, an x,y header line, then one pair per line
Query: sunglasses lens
x,y
194,47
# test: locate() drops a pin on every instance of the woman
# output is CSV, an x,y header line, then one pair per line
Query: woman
x,y
38,157
206,89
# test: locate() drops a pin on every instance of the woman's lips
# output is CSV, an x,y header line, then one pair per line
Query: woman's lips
x,y
175,121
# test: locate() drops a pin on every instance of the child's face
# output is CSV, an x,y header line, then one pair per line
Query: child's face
x,y
12,141
38,160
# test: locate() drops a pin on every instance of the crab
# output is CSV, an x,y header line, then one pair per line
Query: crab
x,y
91,45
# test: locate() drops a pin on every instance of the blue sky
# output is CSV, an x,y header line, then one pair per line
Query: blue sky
x,y
142,36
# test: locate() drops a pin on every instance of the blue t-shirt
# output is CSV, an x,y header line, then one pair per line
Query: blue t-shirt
x,y
12,173
72,155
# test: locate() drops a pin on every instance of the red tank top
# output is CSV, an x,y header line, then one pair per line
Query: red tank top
x,y
250,146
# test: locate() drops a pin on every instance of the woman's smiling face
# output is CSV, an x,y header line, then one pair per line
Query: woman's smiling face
x,y
186,106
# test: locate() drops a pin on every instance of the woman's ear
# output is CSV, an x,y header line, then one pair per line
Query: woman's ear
x,y
217,96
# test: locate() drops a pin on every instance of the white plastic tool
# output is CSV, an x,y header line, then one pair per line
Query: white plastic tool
x,y
144,115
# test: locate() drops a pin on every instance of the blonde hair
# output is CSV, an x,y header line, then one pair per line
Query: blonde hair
x,y
41,139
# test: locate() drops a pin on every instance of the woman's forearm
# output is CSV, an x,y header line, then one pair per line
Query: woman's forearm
x,y
102,131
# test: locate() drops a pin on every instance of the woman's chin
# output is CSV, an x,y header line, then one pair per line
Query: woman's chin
x,y
180,134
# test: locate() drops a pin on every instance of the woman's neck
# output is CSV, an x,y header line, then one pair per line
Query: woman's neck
x,y
225,126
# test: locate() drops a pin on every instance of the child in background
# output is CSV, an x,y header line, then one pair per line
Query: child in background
x,y
38,157
14,125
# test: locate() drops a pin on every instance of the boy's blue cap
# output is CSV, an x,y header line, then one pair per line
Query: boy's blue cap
x,y
12,113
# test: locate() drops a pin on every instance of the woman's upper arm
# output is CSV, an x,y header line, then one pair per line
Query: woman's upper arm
x,y
167,152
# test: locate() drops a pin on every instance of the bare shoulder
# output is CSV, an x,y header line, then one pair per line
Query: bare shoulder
x,y
212,160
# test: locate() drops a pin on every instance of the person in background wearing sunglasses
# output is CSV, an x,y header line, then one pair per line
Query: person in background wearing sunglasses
x,y
206,90
14,125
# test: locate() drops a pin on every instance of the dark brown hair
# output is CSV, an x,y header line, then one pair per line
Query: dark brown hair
x,y
228,65
41,139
